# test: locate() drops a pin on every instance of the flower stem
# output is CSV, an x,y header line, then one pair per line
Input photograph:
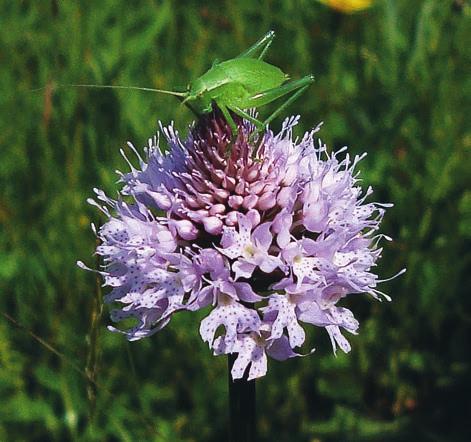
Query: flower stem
x,y
241,406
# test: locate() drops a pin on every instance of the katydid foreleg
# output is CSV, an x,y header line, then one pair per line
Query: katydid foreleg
x,y
228,117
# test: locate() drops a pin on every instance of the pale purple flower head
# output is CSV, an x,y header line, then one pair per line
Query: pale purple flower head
x,y
268,233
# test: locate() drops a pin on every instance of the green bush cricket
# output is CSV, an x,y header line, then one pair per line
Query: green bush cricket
x,y
236,85
242,83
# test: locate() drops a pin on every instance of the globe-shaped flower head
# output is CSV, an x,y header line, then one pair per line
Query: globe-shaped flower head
x,y
268,232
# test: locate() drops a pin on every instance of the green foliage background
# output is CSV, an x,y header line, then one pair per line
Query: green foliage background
x,y
390,81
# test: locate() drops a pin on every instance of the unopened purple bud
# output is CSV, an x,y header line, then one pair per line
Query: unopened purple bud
x,y
254,217
198,215
217,209
231,218
284,196
212,225
185,229
267,201
161,200
250,201
235,201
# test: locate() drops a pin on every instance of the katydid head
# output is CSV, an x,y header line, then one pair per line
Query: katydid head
x,y
197,98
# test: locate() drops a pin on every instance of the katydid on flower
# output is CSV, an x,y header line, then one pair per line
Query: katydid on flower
x,y
236,85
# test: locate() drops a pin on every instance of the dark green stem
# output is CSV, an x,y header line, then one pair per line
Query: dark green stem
x,y
241,407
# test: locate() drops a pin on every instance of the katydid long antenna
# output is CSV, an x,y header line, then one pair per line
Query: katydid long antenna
x,y
103,86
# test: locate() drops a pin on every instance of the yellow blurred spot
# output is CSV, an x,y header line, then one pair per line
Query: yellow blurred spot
x,y
5,213
180,422
83,221
348,6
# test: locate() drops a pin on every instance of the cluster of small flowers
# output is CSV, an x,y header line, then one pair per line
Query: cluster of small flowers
x,y
270,233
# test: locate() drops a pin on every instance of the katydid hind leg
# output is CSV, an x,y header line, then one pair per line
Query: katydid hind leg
x,y
259,126
267,46
290,100
248,117
265,97
261,45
